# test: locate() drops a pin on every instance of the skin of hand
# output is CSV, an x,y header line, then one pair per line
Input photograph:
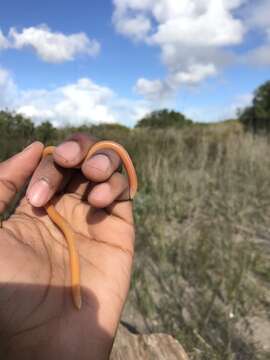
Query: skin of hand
x,y
37,317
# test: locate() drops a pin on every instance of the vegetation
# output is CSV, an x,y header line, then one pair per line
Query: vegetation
x,y
164,119
203,230
203,217
257,116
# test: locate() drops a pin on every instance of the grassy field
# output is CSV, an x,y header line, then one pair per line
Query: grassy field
x,y
203,239
202,266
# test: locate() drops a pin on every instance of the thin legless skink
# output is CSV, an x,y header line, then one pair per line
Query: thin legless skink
x,y
65,226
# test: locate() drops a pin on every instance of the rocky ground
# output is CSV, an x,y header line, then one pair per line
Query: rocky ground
x,y
130,346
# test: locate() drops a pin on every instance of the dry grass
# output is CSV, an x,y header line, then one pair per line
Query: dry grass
x,y
203,216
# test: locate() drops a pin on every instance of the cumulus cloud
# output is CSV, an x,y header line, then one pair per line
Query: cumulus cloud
x,y
162,89
51,46
137,26
205,24
77,103
191,35
151,89
194,74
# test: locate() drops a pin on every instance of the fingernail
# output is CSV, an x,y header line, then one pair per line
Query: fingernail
x,y
99,162
39,193
69,150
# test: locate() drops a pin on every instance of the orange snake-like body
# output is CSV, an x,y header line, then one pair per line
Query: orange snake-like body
x,y
65,227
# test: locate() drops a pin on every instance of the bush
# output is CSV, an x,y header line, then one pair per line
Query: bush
x,y
16,132
164,119
257,117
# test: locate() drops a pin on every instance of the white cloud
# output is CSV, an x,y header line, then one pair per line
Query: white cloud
x,y
38,114
210,25
152,89
194,74
191,35
77,103
185,22
137,26
163,89
51,46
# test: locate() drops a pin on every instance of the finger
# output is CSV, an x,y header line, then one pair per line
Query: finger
x,y
101,165
50,176
15,171
122,210
72,152
98,168
103,195
47,180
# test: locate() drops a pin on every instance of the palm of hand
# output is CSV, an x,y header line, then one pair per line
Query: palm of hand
x,y
38,263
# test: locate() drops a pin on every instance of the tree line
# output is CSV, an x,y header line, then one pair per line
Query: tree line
x,y
256,117
16,130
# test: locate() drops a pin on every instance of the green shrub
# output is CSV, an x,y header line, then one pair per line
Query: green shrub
x,y
164,119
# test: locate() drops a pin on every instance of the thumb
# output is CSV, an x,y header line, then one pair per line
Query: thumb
x,y
15,171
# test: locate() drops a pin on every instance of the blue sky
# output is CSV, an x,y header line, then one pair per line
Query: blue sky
x,y
108,61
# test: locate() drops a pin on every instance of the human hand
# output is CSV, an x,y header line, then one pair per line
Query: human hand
x,y
37,316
